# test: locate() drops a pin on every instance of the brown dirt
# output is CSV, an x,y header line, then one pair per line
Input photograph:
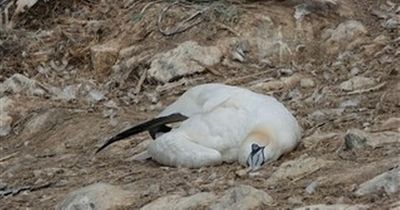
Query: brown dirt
x,y
60,158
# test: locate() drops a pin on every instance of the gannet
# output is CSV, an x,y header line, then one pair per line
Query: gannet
x,y
219,123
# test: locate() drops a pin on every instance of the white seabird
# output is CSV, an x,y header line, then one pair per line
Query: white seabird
x,y
219,123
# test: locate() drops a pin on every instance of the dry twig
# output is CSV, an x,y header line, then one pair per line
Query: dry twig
x,y
356,92
180,27
240,79
140,82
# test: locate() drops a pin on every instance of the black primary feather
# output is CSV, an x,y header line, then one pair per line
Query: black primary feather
x,y
153,126
160,129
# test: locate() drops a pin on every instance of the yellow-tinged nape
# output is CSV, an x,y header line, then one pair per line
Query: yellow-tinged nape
x,y
263,137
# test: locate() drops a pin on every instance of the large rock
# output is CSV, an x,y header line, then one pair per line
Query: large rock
x,y
173,202
296,169
344,37
356,138
388,181
186,59
333,207
19,83
241,198
96,196
270,39
43,121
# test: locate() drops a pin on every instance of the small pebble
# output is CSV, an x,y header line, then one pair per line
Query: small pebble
x,y
307,83
241,173
354,140
310,189
354,71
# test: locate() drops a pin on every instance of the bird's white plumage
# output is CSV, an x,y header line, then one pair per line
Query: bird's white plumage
x,y
221,118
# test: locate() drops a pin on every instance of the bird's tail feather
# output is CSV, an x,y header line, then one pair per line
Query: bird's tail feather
x,y
148,125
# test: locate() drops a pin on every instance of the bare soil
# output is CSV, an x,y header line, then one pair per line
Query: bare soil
x,y
59,157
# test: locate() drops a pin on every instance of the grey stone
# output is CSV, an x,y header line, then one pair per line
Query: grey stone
x,y
392,23
5,125
269,86
95,96
44,120
388,181
23,6
240,50
355,71
243,197
302,10
333,207
307,83
356,138
345,36
240,197
69,93
298,168
188,58
96,196
284,82
296,200
19,83
356,83
286,72
269,41
350,103
5,118
241,172
310,189
177,202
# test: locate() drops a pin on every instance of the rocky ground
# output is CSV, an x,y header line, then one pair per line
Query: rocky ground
x,y
73,73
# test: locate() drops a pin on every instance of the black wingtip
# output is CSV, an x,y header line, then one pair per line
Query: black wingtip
x,y
149,125
108,142
101,148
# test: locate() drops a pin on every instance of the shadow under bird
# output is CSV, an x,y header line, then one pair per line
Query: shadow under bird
x,y
219,123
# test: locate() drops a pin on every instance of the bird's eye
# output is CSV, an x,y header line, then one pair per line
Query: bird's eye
x,y
255,147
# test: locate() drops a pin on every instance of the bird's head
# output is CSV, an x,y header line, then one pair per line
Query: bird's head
x,y
257,149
